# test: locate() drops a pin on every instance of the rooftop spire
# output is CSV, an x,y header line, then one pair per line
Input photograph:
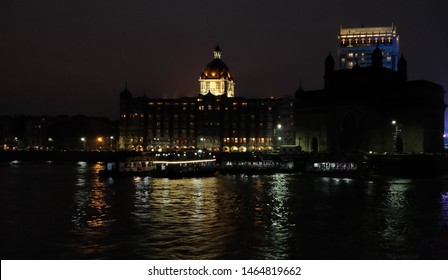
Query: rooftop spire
x,y
217,52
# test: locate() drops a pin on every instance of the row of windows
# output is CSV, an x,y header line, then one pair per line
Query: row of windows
x,y
176,116
366,41
244,140
150,116
226,108
363,55
225,140
170,104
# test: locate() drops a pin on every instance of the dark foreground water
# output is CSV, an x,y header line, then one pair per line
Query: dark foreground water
x,y
68,212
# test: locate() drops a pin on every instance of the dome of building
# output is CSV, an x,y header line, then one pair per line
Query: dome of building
x,y
216,69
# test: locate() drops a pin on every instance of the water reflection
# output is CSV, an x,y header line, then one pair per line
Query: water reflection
x,y
68,211
394,208
279,230
184,216
256,216
92,216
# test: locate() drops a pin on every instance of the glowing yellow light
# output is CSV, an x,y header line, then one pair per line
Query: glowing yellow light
x,y
100,139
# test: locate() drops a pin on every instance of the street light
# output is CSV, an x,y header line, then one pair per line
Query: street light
x,y
99,141
203,142
277,137
16,139
395,135
111,142
50,144
83,140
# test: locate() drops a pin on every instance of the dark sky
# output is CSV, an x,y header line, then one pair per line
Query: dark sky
x,y
73,56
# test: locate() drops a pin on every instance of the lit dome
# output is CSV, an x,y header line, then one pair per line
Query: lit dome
x,y
216,69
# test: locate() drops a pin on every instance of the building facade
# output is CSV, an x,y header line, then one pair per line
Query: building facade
x,y
371,109
215,120
356,46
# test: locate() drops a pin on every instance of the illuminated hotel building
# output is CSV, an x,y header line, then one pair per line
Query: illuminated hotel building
x,y
356,46
215,120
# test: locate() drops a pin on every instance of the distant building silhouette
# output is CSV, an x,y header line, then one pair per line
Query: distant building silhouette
x,y
48,133
371,109
356,46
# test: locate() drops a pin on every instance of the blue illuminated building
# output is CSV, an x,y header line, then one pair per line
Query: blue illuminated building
x,y
356,46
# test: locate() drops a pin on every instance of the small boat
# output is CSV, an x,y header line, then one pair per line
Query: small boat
x,y
184,163
331,167
250,167
334,169
131,166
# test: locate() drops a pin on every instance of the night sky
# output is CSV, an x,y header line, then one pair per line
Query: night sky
x,y
74,57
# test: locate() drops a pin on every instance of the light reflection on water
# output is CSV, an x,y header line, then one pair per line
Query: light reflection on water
x,y
76,215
